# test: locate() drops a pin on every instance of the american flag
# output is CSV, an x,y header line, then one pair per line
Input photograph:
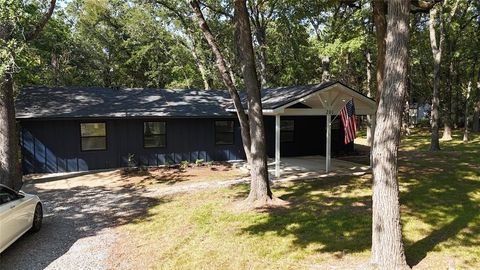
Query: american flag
x,y
349,120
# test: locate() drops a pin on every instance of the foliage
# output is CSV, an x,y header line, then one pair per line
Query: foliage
x,y
14,19
199,162
184,164
157,44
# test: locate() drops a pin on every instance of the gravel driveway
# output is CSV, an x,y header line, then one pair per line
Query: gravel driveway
x,y
79,228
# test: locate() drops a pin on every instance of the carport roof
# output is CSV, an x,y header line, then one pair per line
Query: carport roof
x,y
273,98
278,97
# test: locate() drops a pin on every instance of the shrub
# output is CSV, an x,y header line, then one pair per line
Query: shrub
x,y
184,164
168,163
131,160
199,162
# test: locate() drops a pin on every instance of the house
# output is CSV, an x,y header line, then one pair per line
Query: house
x,y
65,129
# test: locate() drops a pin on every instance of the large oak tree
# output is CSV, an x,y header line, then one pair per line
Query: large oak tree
x,y
12,40
387,245
252,127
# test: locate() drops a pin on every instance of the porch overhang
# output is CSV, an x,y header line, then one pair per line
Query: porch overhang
x,y
323,99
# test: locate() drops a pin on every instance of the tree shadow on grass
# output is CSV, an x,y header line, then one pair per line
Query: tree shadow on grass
x,y
437,190
440,194
72,214
319,214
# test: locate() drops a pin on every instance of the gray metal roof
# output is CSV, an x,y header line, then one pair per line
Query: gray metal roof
x,y
71,102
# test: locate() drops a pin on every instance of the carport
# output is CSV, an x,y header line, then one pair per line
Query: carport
x,y
325,99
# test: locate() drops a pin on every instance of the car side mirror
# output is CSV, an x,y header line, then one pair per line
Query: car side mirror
x,y
20,194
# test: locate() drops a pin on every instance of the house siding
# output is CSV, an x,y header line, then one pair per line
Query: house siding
x,y
309,137
54,145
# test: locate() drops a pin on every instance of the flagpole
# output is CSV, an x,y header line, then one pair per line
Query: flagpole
x,y
328,148
338,113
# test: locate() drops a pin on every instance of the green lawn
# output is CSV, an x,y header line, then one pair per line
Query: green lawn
x,y
328,221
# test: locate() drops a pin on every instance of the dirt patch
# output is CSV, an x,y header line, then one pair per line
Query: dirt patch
x,y
177,174
145,177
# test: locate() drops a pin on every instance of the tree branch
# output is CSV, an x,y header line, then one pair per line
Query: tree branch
x,y
422,6
226,77
216,10
38,28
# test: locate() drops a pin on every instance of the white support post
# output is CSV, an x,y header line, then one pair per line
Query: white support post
x,y
277,146
329,141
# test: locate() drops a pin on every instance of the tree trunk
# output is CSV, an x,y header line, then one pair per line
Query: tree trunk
x,y
447,119
10,174
184,20
263,64
227,79
476,114
260,192
325,68
260,22
380,21
437,58
408,95
200,65
456,107
9,162
387,244
261,37
455,104
467,96
406,117
369,94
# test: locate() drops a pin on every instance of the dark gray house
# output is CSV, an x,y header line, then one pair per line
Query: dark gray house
x,y
67,129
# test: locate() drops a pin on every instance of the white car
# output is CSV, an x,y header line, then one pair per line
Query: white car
x,y
19,213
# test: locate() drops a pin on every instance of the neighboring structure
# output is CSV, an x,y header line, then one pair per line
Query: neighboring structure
x,y
79,128
419,112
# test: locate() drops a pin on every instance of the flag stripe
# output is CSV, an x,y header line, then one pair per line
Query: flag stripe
x,y
349,120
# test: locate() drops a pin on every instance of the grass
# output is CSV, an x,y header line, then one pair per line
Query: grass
x,y
328,223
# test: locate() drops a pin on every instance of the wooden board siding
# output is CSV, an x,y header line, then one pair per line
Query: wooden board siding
x,y
54,145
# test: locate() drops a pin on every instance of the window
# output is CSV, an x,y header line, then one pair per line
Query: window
x,y
93,136
7,195
154,134
224,132
287,130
